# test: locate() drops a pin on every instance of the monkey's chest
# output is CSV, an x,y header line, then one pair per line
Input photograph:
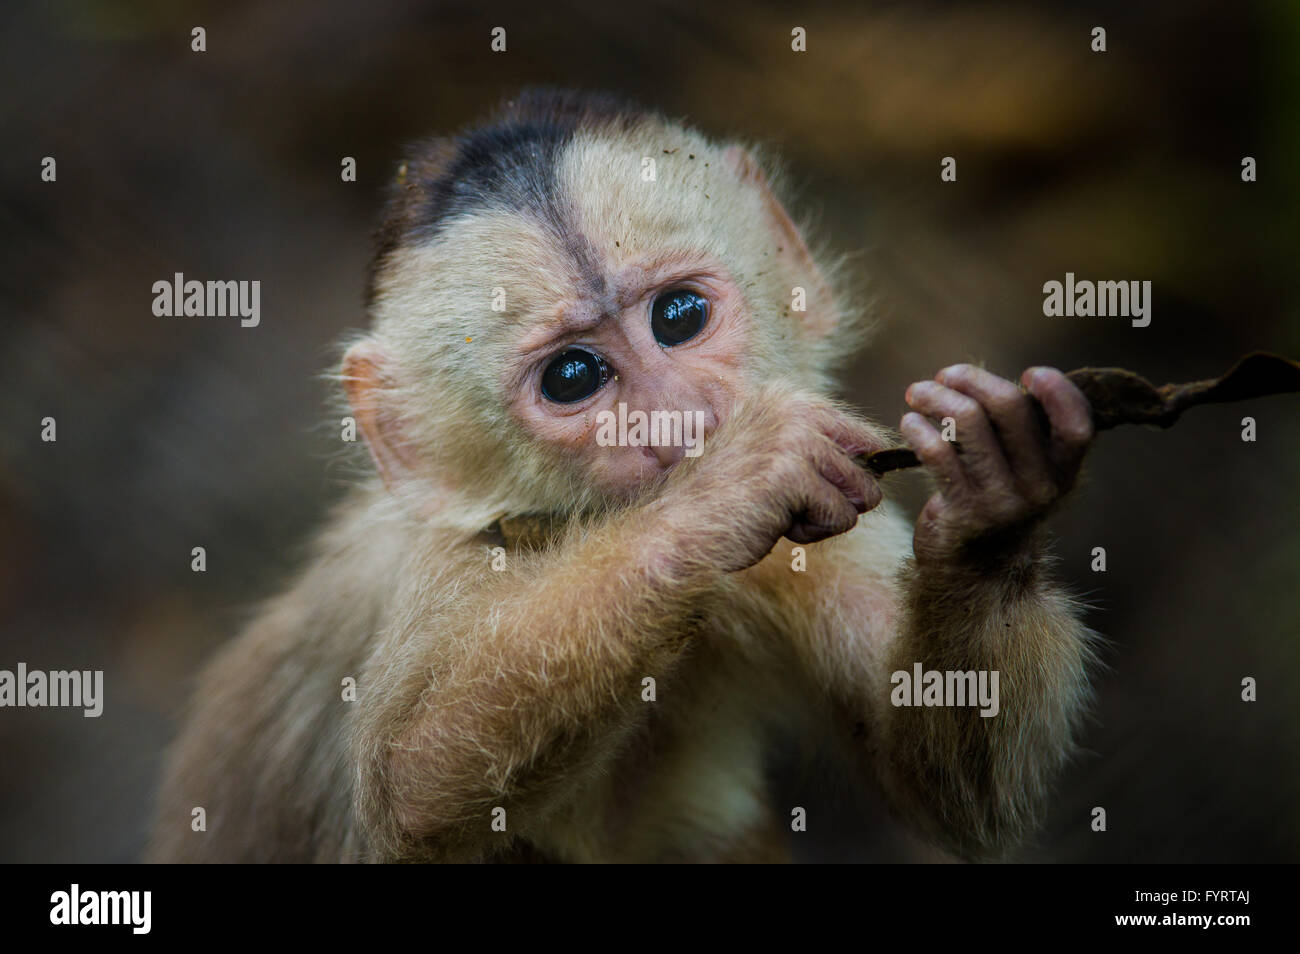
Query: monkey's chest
x,y
689,782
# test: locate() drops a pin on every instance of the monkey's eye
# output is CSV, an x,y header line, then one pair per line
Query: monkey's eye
x,y
574,375
678,316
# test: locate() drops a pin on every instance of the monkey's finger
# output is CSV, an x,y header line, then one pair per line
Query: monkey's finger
x,y
836,467
982,458
933,451
1013,415
855,437
1069,414
825,513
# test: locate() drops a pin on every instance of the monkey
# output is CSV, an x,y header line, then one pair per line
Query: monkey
x,y
569,652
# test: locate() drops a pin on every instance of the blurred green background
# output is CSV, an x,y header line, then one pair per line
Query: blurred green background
x,y
177,433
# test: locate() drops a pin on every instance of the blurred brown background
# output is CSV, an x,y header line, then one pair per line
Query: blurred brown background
x,y
177,433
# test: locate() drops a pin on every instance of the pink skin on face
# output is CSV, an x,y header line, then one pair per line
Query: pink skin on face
x,y
1011,468
702,374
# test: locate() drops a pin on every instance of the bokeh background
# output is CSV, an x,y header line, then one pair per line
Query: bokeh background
x,y
225,164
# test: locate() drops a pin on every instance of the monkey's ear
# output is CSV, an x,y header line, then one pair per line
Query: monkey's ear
x,y
821,318
368,382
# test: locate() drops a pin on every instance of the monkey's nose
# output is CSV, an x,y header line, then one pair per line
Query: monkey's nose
x,y
665,455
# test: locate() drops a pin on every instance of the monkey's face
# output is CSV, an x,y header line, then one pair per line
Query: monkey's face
x,y
615,293
635,370
667,298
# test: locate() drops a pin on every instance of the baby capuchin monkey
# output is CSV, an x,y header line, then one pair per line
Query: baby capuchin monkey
x,y
565,650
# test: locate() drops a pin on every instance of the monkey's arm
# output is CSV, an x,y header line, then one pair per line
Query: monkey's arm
x,y
972,597
979,600
975,783
510,689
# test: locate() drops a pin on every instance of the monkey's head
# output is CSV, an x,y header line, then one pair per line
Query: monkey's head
x,y
570,255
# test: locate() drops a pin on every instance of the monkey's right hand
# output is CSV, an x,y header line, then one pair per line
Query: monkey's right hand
x,y
780,465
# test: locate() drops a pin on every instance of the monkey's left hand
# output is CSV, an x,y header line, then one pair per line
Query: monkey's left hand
x,y
1011,468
